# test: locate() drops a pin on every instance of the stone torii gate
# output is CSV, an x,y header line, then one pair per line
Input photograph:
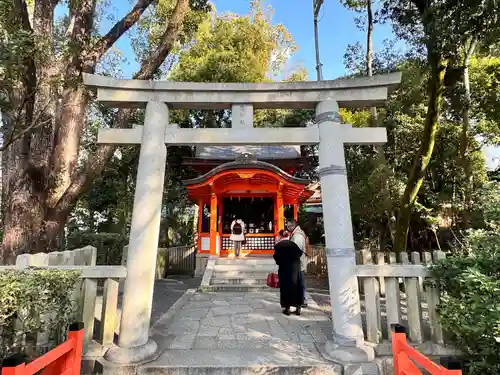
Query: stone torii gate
x,y
158,97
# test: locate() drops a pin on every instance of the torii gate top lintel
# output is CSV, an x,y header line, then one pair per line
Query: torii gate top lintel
x,y
349,93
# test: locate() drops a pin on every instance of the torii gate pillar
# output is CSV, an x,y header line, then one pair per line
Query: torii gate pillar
x,y
348,342
143,243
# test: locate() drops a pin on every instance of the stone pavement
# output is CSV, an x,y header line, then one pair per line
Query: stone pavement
x,y
240,329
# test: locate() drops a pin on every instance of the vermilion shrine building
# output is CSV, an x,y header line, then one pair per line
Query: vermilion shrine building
x,y
252,190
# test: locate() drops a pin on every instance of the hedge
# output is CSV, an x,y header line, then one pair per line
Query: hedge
x,y
469,308
34,301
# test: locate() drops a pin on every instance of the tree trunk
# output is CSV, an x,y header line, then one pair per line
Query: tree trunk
x,y
42,128
465,139
435,91
380,161
369,51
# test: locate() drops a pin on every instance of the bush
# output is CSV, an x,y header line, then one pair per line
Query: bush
x,y
109,245
34,301
469,308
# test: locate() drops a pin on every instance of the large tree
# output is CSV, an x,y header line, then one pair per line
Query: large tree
x,y
249,47
437,28
44,107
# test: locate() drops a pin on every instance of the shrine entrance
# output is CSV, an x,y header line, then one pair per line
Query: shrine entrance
x,y
251,190
134,342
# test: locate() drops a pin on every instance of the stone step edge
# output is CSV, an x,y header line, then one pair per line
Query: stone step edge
x,y
234,288
237,282
250,369
239,261
251,276
245,267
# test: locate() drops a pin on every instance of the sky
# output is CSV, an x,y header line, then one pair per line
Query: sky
x,y
337,30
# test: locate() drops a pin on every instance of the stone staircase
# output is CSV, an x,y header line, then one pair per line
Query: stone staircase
x,y
245,274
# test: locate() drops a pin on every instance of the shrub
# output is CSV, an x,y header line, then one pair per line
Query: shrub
x,y
109,245
469,280
34,301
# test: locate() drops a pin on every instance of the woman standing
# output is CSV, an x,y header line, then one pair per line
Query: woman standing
x,y
237,235
287,256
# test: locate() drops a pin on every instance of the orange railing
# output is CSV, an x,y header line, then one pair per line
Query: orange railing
x,y
406,358
65,359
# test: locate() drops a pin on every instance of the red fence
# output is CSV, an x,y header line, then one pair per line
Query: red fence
x,y
65,359
406,358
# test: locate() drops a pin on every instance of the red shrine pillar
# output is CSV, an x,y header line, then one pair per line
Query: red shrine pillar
x,y
219,220
201,204
281,213
213,223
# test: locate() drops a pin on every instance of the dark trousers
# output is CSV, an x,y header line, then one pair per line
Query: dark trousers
x,y
237,248
303,283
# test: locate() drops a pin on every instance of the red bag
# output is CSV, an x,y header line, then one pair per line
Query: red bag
x,y
273,280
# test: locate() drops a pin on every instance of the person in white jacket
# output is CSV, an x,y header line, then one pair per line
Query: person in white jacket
x,y
298,236
237,235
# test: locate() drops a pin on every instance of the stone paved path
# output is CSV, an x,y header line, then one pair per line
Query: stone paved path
x,y
227,328
168,291
318,290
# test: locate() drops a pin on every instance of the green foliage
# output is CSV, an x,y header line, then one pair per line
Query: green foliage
x,y
469,308
485,94
231,48
153,25
34,301
404,117
109,245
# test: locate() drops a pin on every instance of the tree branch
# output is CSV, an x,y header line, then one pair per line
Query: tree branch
x,y
119,28
14,137
79,34
21,7
43,19
96,164
150,66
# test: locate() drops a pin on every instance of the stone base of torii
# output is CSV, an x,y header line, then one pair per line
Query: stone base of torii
x,y
134,344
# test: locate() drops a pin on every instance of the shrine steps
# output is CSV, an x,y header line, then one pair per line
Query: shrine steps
x,y
246,274
261,361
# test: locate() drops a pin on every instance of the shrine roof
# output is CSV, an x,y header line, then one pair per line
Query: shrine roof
x,y
315,198
261,152
246,161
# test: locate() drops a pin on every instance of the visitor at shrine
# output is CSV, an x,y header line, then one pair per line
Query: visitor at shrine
x,y
237,234
287,256
298,236
282,235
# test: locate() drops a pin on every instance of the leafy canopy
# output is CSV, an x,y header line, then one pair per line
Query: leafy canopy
x,y
232,48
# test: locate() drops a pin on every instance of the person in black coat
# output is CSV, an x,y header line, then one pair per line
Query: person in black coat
x,y
287,256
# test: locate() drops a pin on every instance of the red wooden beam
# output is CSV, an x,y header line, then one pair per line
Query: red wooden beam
x,y
406,358
65,359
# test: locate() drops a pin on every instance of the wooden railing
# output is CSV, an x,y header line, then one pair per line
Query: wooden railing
x,y
65,359
393,291
178,260
316,263
171,261
107,315
85,256
406,359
